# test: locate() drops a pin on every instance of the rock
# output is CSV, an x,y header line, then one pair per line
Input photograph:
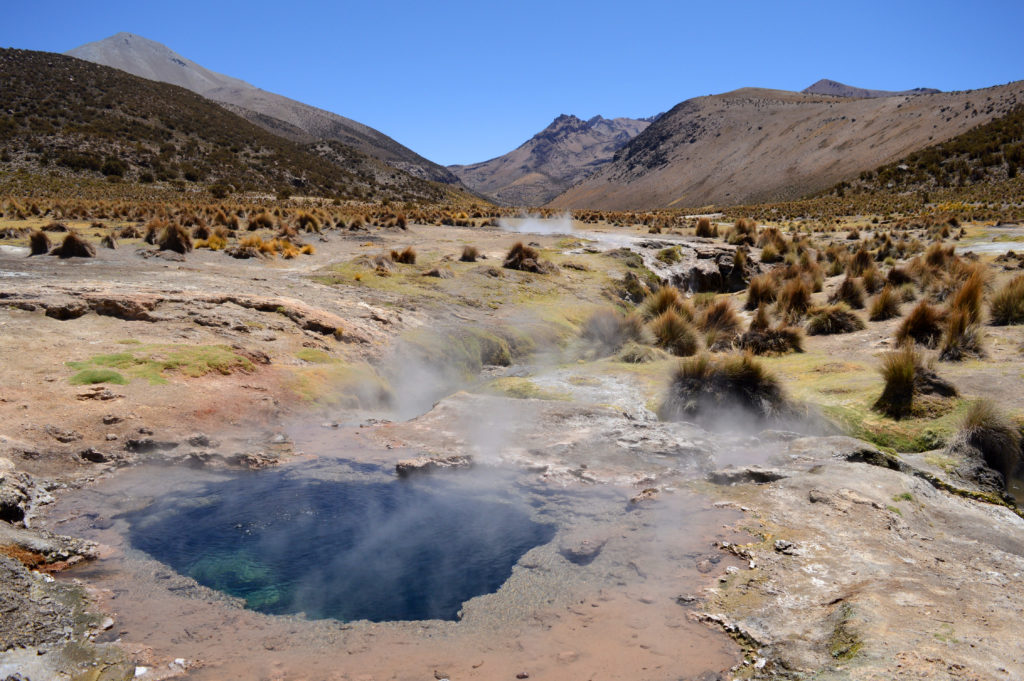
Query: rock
x,y
136,308
786,547
147,444
110,420
94,455
63,435
202,440
645,495
581,549
99,392
63,311
440,273
430,464
732,475
15,496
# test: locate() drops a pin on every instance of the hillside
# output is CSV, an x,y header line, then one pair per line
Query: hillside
x,y
754,145
154,61
565,152
837,89
67,117
989,153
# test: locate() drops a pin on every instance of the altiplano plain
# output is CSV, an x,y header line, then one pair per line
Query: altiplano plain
x,y
731,391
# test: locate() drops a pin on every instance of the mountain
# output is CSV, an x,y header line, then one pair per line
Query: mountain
x,y
148,59
557,157
755,145
65,117
837,89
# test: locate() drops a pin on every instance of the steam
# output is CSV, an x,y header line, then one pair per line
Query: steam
x,y
535,224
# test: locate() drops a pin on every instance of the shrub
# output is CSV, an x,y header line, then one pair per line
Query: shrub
x,y
39,243
609,330
1007,305
872,280
851,292
905,376
719,317
832,319
406,257
762,290
664,299
967,300
795,298
469,254
761,339
922,325
885,305
673,333
961,338
898,369
175,238
992,434
74,246
701,386
705,228
262,221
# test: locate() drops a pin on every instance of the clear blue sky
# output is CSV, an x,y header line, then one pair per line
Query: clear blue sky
x,y
466,81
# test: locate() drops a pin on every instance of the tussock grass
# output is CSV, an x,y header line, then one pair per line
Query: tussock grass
x,y
1007,304
719,317
706,228
794,298
608,330
664,299
833,319
851,292
74,246
986,429
38,243
922,325
961,338
898,369
175,238
886,305
406,256
469,254
673,333
702,386
763,289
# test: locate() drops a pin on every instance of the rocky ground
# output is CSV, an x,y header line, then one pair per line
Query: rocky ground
x,y
822,556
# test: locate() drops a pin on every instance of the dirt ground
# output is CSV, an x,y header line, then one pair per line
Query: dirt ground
x,y
805,555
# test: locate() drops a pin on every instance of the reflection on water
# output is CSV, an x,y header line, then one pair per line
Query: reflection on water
x,y
342,549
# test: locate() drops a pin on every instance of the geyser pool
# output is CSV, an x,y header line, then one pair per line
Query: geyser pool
x,y
373,549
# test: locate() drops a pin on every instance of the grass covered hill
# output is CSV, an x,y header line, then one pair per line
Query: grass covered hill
x,y
62,117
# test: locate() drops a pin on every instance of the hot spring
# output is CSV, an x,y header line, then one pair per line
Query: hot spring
x,y
369,548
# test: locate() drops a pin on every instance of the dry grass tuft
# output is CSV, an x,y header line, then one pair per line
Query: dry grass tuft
x,y
833,319
851,292
701,386
986,429
38,243
74,246
922,325
673,333
175,238
886,305
469,254
1007,305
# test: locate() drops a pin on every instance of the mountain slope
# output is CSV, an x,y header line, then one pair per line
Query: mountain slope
x,y
554,159
837,89
767,145
65,116
148,59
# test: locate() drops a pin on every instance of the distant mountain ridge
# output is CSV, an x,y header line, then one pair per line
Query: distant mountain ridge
x,y
151,60
755,145
565,152
837,89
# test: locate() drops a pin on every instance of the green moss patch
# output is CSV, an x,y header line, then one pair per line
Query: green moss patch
x,y
154,362
93,376
523,389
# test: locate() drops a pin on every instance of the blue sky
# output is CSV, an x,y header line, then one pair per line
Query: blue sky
x,y
466,81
